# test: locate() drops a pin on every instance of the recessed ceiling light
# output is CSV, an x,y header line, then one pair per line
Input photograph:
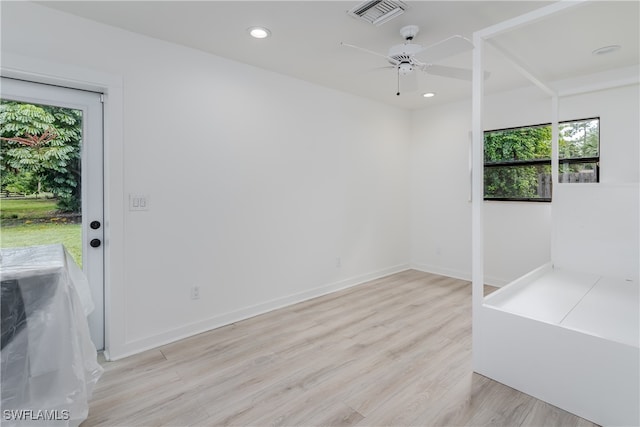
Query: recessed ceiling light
x,y
429,95
607,49
259,32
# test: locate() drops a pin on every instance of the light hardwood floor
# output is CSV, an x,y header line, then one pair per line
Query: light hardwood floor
x,y
392,352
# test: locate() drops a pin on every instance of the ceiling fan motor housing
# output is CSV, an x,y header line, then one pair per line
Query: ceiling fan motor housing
x,y
402,53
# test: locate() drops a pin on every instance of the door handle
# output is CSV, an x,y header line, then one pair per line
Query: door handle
x,y
95,243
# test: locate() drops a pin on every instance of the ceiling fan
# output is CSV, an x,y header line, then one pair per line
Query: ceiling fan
x,y
408,58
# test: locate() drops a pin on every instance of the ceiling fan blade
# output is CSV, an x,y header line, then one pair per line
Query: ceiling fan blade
x,y
452,72
444,49
364,50
388,67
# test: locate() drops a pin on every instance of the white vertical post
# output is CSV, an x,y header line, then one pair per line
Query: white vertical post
x,y
555,165
555,111
477,191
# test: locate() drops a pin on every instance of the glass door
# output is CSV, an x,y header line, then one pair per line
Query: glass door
x,y
51,177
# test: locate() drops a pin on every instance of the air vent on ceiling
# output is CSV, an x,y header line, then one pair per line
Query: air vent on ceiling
x,y
377,12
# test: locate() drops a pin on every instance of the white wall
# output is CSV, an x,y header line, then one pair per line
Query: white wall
x,y
517,234
595,229
440,194
257,182
595,226
440,190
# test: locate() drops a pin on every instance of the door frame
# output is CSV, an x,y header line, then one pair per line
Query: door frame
x,y
91,177
49,72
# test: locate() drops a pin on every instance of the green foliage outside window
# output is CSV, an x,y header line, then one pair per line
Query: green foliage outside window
x,y
511,145
51,166
579,141
518,161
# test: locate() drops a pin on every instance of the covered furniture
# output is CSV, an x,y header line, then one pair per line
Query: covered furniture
x,y
49,364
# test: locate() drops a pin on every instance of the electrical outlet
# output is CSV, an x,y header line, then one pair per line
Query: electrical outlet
x,y
195,292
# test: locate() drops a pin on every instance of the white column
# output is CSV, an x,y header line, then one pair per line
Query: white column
x,y
477,189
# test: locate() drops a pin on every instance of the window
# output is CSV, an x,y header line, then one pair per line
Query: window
x,y
518,164
579,151
518,160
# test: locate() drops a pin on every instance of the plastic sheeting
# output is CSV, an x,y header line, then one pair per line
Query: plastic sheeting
x,y
49,364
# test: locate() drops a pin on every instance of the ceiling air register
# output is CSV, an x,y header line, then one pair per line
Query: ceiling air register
x,y
377,12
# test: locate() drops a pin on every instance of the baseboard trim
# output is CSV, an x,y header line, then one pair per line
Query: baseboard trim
x,y
154,341
496,281
442,271
457,274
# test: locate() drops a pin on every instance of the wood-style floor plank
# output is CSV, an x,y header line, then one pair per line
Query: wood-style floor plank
x,y
393,351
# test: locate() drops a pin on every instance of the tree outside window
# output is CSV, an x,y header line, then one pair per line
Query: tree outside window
x,y
518,160
40,151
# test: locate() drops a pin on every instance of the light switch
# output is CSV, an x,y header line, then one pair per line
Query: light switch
x,y
138,202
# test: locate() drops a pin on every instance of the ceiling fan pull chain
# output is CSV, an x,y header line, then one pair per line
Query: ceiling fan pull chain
x,y
398,93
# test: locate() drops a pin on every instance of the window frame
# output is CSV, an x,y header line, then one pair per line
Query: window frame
x,y
578,160
544,161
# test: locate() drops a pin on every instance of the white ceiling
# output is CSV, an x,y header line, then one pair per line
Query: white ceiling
x,y
306,36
